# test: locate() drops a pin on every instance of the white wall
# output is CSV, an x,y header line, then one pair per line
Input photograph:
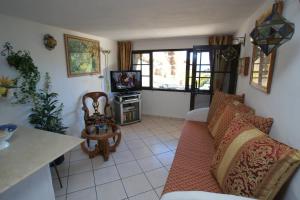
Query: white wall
x,y
28,35
283,102
33,187
165,103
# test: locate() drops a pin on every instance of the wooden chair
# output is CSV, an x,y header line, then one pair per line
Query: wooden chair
x,y
97,117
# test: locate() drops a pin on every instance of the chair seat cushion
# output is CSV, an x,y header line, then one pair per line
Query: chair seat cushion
x,y
190,170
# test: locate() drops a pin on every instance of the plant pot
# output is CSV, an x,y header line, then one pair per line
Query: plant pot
x,y
58,160
3,91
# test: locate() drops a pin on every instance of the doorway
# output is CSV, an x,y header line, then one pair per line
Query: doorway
x,y
213,68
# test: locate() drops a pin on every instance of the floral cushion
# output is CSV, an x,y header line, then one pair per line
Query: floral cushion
x,y
250,163
231,110
221,108
220,99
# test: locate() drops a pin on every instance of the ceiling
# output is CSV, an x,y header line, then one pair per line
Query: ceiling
x,y
136,19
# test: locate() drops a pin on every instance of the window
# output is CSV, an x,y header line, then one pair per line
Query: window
x,y
203,71
161,69
173,69
169,69
141,61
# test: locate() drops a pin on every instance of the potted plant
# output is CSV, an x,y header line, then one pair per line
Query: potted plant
x,y
28,73
5,84
47,112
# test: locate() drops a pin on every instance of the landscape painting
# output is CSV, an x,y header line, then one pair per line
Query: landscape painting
x,y
83,56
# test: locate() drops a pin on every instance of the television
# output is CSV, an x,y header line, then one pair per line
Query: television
x,y
125,81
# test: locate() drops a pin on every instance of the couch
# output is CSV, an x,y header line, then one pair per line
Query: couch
x,y
192,163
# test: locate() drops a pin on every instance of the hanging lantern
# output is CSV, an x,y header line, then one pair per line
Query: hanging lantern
x,y
274,31
229,53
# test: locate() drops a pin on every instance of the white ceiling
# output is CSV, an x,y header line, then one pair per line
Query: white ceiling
x,y
136,19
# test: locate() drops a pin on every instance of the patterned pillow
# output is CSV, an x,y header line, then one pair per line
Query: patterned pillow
x,y
250,163
262,123
220,110
219,129
221,99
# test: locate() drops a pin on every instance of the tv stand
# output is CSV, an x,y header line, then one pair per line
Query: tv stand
x,y
127,108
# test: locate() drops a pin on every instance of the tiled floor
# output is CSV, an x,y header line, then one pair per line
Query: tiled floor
x,y
137,171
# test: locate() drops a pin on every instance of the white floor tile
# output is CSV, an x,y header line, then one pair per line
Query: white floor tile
x,y
98,162
87,194
80,166
121,157
149,163
168,167
150,195
157,177
142,153
106,175
166,158
122,146
136,184
135,144
78,155
158,148
64,197
165,137
80,181
172,144
63,170
128,137
129,169
159,191
152,140
111,191
56,186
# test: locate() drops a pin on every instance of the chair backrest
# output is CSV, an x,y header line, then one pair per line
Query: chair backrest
x,y
95,96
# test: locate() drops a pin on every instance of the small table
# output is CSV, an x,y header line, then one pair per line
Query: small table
x,y
102,137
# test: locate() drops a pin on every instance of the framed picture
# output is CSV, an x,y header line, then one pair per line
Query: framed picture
x,y
244,66
262,66
82,56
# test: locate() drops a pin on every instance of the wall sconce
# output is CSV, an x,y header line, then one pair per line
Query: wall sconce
x,y
272,33
240,40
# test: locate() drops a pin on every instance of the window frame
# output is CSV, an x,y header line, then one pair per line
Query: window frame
x,y
187,67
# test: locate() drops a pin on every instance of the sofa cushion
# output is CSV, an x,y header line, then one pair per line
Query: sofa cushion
x,y
250,163
190,170
221,99
219,129
226,114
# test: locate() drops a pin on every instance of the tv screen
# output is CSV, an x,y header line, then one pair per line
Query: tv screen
x,y
124,81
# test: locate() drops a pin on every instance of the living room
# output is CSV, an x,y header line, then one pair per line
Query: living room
x,y
142,166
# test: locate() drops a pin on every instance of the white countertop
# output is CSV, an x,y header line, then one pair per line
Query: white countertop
x,y
30,150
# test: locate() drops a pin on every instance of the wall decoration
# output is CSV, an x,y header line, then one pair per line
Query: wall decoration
x,y
82,55
49,42
262,65
244,66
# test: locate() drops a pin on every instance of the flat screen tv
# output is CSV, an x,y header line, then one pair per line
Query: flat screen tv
x,y
125,81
